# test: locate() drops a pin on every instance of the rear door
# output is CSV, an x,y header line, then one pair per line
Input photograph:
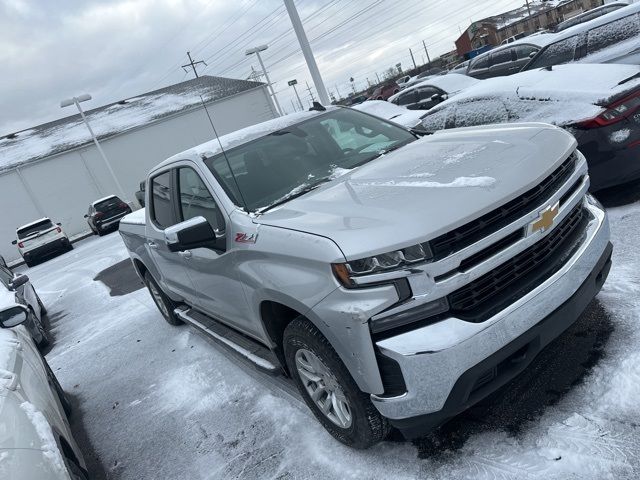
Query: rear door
x,y
479,67
162,214
502,63
523,53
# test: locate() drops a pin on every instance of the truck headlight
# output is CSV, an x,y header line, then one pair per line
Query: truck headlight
x,y
384,262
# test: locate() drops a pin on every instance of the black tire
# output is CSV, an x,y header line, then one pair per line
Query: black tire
x,y
367,427
45,341
43,309
164,303
75,472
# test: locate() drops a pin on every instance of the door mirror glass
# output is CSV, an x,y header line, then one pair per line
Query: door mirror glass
x,y
196,232
18,281
12,317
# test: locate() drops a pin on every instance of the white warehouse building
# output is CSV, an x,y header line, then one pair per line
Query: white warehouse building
x,y
54,170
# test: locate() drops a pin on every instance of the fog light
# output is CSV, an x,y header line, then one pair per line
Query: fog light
x,y
415,314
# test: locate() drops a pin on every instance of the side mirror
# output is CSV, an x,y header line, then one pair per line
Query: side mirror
x,y
437,97
59,224
533,54
194,233
18,281
13,316
14,242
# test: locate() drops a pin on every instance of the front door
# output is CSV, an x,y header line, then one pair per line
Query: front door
x,y
216,290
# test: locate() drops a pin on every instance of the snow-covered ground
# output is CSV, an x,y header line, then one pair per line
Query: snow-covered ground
x,y
162,402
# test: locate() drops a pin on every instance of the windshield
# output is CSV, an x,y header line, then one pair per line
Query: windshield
x,y
289,162
36,227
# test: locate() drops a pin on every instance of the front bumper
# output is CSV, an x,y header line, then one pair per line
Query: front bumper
x,y
450,365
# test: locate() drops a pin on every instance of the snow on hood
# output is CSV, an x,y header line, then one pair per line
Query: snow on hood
x,y
389,111
563,95
426,188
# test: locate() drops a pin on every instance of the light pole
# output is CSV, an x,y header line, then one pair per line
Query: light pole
x,y
293,83
257,51
76,101
306,51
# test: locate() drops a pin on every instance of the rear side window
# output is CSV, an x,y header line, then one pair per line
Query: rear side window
x,y
481,112
161,210
425,93
407,98
612,33
555,54
435,121
35,228
195,198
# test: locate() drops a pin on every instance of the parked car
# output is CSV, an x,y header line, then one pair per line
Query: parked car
x,y
598,104
36,441
389,111
20,290
383,92
104,214
140,193
402,80
3,262
429,93
506,60
513,38
611,38
40,239
422,76
461,67
397,279
589,15
356,100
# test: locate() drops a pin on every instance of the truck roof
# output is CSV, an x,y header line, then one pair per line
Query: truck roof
x,y
245,135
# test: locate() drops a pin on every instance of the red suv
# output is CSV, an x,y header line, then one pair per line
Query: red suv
x,y
385,91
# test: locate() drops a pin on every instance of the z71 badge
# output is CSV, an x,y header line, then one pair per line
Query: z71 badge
x,y
246,238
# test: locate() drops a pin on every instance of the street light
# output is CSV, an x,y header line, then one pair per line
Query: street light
x,y
76,101
293,83
257,51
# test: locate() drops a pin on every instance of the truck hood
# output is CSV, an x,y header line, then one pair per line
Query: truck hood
x,y
426,188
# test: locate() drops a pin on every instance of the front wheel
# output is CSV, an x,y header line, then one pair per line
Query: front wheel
x,y
329,390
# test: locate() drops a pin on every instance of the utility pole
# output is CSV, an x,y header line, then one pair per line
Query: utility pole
x,y
306,51
257,51
310,93
427,52
294,106
293,83
193,64
339,94
378,77
413,59
528,9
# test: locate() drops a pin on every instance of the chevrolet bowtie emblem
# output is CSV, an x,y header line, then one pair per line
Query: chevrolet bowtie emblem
x,y
545,219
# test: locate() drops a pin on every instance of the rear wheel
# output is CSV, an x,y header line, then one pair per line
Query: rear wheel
x,y
329,390
164,303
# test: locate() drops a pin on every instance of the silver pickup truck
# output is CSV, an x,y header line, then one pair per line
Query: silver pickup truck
x,y
396,279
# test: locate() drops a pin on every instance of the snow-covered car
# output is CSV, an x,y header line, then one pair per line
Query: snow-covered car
x,y
39,239
35,439
611,38
397,279
19,290
389,111
506,59
429,93
589,15
461,67
598,104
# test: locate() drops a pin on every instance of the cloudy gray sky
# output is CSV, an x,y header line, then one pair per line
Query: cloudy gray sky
x,y
114,49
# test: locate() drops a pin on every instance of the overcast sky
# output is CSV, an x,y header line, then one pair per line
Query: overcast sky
x,y
114,49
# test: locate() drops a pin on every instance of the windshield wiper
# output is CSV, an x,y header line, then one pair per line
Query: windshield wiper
x,y
291,196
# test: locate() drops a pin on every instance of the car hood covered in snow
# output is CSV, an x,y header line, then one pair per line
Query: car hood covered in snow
x,y
426,188
389,111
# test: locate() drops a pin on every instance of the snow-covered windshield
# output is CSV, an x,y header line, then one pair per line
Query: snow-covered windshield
x,y
289,162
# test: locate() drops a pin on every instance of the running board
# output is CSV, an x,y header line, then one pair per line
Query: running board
x,y
259,355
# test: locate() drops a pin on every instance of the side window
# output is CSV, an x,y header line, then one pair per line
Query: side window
x,y
556,53
161,210
407,98
480,63
195,198
481,112
614,32
503,56
5,276
523,51
425,93
434,121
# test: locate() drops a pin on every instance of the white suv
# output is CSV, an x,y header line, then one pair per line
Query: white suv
x,y
40,238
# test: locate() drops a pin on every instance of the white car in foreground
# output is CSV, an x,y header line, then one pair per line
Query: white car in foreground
x,y
35,438
389,111
39,239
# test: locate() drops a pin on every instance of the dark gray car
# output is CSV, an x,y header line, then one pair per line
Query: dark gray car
x,y
501,61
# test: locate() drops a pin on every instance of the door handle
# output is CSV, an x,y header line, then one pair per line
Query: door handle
x,y
153,245
185,254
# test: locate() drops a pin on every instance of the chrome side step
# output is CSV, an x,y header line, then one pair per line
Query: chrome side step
x,y
256,353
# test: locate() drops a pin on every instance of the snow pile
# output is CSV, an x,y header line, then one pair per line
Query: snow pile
x,y
417,180
48,444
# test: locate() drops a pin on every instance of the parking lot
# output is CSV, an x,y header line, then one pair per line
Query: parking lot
x,y
156,401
